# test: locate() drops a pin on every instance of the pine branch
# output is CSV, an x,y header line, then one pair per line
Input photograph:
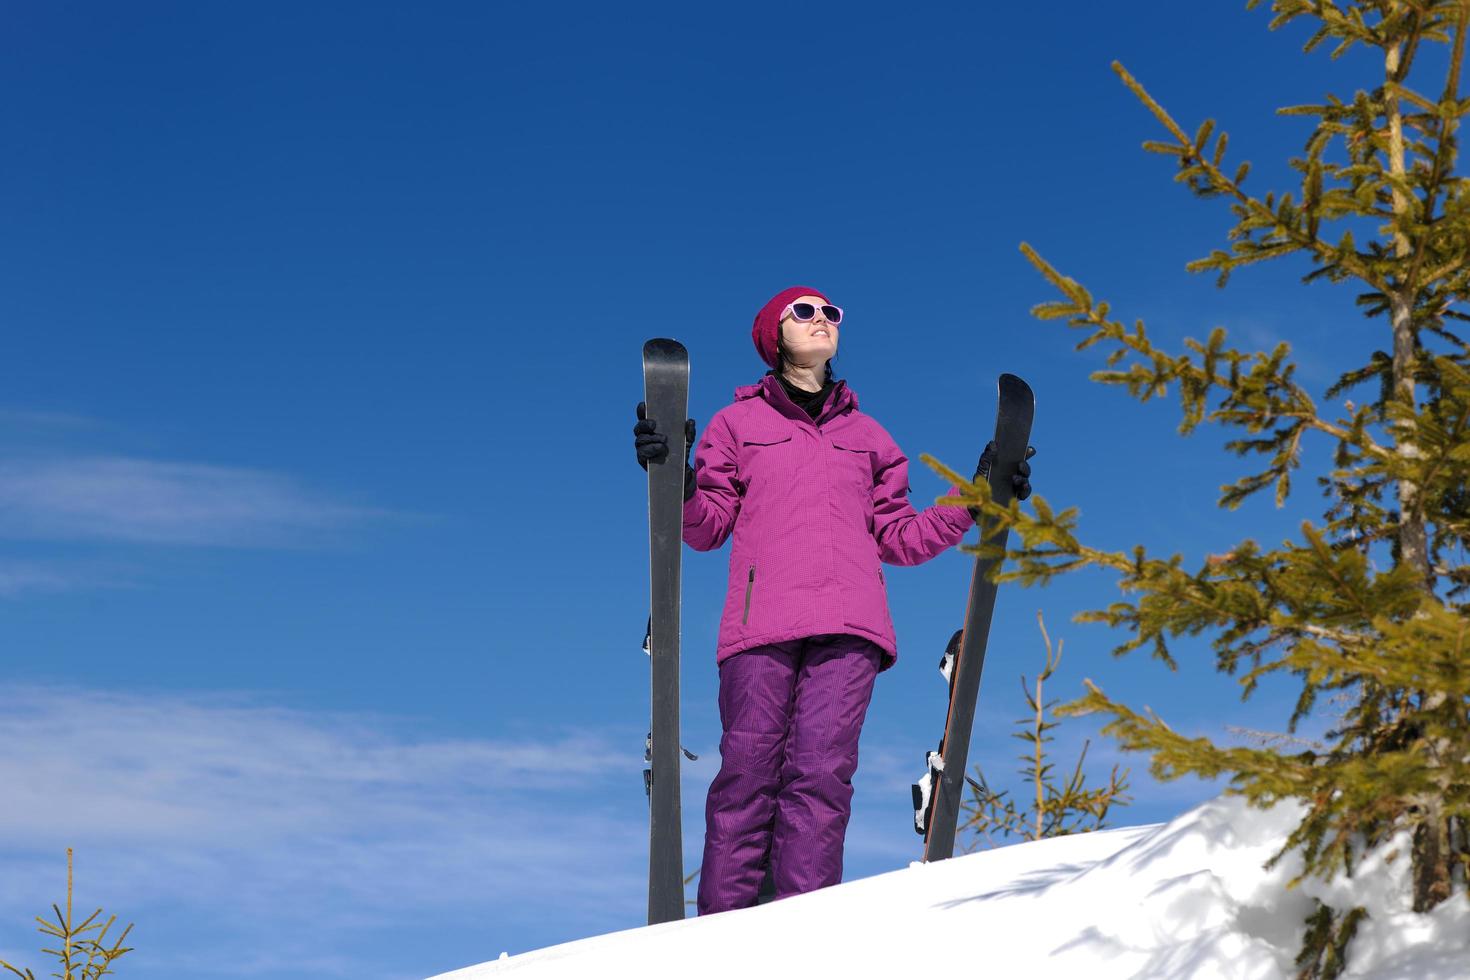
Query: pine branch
x,y
1260,398
1288,231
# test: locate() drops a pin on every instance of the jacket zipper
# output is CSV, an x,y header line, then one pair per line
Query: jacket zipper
x,y
749,585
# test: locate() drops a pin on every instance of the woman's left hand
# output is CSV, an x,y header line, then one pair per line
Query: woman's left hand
x,y
1020,486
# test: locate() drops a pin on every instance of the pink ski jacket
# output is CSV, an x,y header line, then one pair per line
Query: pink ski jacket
x,y
815,508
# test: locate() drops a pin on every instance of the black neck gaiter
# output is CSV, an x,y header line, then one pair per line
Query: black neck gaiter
x,y
810,402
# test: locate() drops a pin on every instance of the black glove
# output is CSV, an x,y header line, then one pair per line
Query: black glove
x,y
653,446
1020,486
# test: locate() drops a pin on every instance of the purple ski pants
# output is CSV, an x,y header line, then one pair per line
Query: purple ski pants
x,y
791,714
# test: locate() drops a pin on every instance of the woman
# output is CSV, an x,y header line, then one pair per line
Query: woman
x,y
815,496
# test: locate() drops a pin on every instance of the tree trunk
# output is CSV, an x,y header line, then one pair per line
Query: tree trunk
x,y
1431,850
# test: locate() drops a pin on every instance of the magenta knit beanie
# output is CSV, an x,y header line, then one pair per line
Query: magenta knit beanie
x,y
767,329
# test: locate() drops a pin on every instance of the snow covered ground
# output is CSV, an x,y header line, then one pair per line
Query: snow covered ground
x,y
1185,899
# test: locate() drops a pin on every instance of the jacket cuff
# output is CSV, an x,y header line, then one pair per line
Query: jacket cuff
x,y
958,518
693,508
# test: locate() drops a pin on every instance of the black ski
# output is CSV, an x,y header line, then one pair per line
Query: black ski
x,y
937,811
666,392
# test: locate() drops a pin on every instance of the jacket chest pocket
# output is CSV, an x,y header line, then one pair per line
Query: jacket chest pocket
x,y
855,462
764,457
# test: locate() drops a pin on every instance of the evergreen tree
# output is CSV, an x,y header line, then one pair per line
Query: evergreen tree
x,y
1379,168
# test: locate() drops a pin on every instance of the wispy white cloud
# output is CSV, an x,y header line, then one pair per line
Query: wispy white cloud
x,y
137,500
19,578
42,420
259,831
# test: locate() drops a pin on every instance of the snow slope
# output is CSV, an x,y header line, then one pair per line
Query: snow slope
x,y
1186,899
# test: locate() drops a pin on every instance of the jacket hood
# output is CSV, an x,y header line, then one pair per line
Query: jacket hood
x,y
841,399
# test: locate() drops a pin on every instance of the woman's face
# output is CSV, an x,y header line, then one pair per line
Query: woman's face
x,y
810,341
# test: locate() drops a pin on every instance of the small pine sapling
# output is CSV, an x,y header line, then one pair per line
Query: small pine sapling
x,y
1054,811
82,947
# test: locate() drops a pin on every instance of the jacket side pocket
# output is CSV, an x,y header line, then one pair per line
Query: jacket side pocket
x,y
749,588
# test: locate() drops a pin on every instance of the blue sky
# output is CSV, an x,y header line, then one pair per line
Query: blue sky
x,y
322,544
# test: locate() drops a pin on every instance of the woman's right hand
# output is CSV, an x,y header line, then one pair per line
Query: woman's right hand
x,y
652,446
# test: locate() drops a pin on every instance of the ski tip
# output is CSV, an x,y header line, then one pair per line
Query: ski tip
x,y
1010,383
664,347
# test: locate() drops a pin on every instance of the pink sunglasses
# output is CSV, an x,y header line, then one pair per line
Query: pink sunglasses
x,y
808,311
